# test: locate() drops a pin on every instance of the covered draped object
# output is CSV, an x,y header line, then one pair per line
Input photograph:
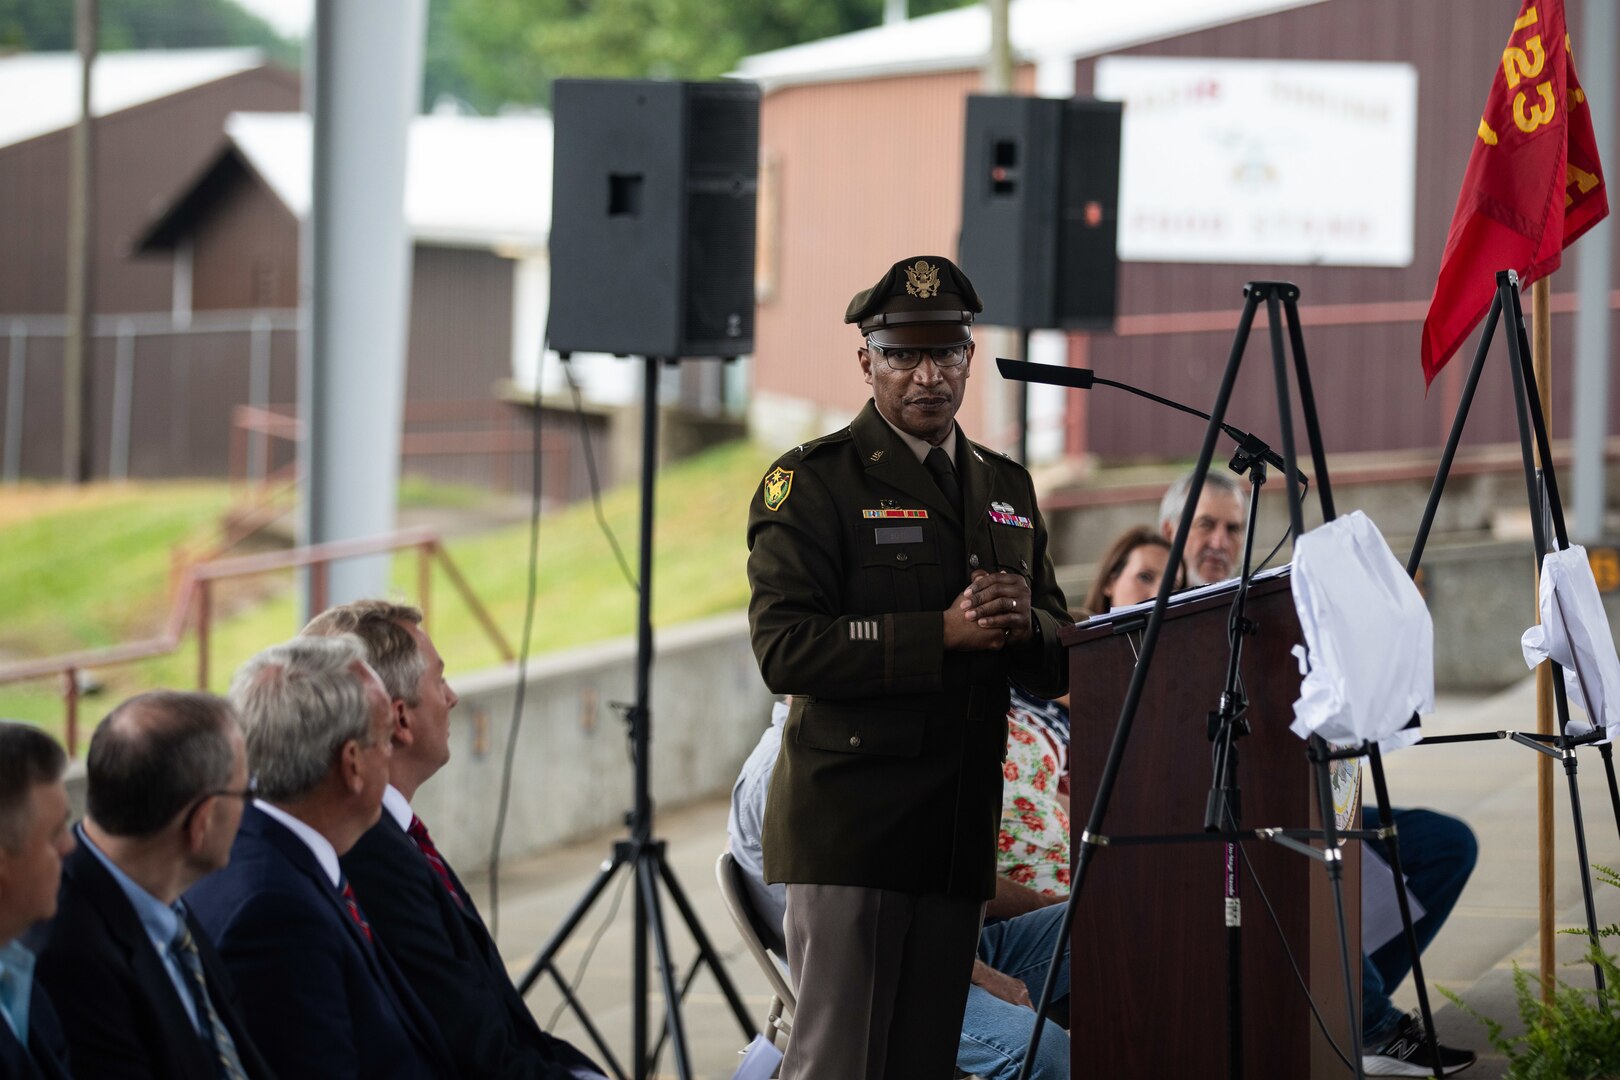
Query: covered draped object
x,y
1574,632
1369,643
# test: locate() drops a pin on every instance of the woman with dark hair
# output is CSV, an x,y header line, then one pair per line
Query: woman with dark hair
x,y
1129,572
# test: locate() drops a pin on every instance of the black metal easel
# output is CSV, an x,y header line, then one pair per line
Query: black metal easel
x,y
1228,723
1546,510
642,853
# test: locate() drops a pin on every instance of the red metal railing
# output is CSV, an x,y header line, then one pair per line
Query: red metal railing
x,y
193,601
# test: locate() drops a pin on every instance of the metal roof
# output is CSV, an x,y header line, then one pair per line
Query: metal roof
x,y
41,90
471,181
960,38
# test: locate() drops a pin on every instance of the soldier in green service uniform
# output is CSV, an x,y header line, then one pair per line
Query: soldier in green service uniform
x,y
900,578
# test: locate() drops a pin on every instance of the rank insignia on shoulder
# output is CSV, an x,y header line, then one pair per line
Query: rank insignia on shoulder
x,y
888,513
1015,520
777,485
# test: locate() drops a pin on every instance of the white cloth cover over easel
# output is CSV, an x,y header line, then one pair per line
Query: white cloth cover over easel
x,y
1574,631
1368,658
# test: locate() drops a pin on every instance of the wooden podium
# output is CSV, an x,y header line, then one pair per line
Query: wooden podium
x,y
1148,953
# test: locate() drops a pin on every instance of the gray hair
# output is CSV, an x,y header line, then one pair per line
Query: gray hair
x,y
155,755
300,702
1171,505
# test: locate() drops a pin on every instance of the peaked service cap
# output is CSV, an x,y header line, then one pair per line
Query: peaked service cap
x,y
920,289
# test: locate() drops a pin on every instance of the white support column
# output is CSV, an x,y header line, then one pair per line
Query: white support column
x,y
366,78
1593,273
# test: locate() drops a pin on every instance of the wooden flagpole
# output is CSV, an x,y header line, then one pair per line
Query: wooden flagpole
x,y
1541,353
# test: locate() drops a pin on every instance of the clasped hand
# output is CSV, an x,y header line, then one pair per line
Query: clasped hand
x,y
993,612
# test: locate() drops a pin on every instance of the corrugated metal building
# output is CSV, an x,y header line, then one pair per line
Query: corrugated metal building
x,y
204,169
862,149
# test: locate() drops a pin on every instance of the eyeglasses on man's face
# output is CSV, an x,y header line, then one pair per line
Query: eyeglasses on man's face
x,y
246,795
905,359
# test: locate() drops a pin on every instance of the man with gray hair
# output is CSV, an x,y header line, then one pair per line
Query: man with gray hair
x,y
1216,539
34,839
321,995
142,992
416,902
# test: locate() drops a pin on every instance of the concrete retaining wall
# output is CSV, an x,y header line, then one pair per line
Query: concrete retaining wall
x,y
572,770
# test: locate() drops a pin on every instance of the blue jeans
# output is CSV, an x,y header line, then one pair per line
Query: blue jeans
x,y
995,1032
1437,853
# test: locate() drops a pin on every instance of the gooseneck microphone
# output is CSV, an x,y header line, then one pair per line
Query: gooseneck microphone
x,y
1249,446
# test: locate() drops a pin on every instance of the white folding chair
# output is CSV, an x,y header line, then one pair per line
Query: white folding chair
x,y
779,1018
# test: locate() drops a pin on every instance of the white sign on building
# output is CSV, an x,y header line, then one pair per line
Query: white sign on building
x,y
1266,161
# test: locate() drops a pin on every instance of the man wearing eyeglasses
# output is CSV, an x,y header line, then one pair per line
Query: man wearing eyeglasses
x,y
900,578
139,987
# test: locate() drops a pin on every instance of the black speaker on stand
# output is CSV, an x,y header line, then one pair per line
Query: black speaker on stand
x,y
652,227
652,255
1040,213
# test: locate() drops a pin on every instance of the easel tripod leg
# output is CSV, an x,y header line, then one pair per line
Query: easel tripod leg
x,y
1392,845
1334,861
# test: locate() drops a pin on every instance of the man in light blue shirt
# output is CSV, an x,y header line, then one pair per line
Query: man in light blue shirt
x,y
139,986
34,838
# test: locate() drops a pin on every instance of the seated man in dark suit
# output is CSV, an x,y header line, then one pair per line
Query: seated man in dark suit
x,y
414,899
34,839
321,996
139,987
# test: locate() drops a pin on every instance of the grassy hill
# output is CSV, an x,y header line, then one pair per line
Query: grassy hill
x,y
85,569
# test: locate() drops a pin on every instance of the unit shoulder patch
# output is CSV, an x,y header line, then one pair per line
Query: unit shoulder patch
x,y
778,483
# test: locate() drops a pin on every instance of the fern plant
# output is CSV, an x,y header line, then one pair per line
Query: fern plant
x,y
1575,1036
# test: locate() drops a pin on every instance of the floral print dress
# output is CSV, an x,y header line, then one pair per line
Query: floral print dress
x,y
1033,846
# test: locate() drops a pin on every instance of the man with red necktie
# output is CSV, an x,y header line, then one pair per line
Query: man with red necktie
x,y
320,993
415,901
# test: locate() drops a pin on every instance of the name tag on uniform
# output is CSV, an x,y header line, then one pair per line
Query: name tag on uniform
x,y
888,513
899,534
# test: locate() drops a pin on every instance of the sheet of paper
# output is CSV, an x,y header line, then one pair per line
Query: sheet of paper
x,y
1380,911
759,1061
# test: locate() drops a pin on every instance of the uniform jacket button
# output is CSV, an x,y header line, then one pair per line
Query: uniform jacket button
x,y
901,556
1023,564
973,561
855,741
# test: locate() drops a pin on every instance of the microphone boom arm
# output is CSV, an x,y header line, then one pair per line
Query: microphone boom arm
x,y
1249,447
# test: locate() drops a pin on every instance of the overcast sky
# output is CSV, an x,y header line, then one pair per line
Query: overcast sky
x,y
289,17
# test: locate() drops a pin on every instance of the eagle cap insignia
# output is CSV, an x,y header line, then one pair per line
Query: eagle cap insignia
x,y
922,279
777,485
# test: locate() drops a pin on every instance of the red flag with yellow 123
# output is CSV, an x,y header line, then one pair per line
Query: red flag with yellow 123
x,y
1533,186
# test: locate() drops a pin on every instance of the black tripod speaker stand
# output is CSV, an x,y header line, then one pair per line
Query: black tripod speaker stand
x,y
642,854
1228,721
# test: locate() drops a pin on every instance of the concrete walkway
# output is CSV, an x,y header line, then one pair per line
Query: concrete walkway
x,y
1491,785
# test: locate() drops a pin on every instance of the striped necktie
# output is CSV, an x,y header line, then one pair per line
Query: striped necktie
x,y
185,950
424,842
353,905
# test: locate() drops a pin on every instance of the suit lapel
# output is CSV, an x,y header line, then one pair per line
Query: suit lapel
x,y
888,459
304,861
86,873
